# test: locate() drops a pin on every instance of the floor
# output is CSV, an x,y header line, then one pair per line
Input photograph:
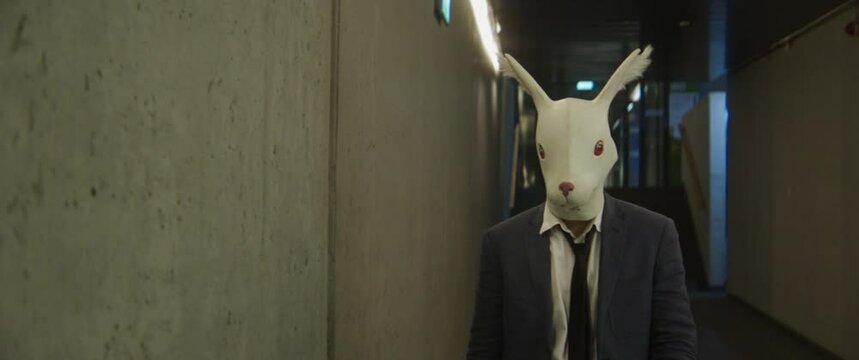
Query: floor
x,y
730,329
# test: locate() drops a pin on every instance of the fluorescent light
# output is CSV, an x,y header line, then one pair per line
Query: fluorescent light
x,y
585,85
483,18
445,10
629,107
635,95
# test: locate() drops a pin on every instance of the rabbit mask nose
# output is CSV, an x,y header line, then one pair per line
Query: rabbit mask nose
x,y
566,187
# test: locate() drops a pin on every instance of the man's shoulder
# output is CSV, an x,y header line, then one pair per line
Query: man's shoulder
x,y
527,223
517,225
636,214
645,225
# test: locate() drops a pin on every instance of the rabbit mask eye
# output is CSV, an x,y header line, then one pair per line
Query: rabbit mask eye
x,y
541,152
598,148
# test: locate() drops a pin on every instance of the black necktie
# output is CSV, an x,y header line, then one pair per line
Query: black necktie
x,y
578,322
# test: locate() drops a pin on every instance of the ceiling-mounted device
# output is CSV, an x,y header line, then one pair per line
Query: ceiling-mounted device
x,y
442,11
852,27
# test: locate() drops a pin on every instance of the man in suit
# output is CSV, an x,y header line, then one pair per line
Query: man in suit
x,y
583,276
642,309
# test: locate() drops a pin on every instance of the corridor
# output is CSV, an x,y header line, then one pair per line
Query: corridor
x,y
729,329
317,179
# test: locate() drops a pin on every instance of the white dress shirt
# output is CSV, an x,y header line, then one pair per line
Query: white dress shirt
x,y
562,272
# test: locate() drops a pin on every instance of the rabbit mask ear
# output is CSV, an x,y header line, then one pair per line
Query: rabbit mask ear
x,y
630,70
510,67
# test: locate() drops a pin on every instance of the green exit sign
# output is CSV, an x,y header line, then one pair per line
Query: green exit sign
x,y
442,11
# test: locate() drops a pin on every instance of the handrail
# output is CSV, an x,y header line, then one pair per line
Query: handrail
x,y
786,40
512,201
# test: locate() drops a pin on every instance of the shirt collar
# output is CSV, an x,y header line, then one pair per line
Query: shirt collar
x,y
550,221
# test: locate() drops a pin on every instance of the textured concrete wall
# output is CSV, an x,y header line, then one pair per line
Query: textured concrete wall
x,y
792,201
164,179
416,180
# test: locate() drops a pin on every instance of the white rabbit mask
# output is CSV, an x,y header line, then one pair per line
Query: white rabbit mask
x,y
574,142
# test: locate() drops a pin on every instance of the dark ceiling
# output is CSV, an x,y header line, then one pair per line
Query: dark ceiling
x,y
563,41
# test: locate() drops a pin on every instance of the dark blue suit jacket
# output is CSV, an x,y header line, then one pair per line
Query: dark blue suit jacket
x,y
643,308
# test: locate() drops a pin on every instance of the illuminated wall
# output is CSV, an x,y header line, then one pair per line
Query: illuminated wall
x,y
792,194
417,179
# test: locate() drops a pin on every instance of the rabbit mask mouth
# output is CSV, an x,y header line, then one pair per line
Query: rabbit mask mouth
x,y
573,139
584,206
568,206
582,203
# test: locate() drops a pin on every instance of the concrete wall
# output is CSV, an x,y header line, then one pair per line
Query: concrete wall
x,y
718,263
695,170
416,180
164,181
166,192
704,182
792,176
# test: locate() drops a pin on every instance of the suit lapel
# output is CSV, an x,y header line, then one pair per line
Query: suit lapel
x,y
613,246
539,259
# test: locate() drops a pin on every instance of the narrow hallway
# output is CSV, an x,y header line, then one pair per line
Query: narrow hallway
x,y
730,329
315,179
